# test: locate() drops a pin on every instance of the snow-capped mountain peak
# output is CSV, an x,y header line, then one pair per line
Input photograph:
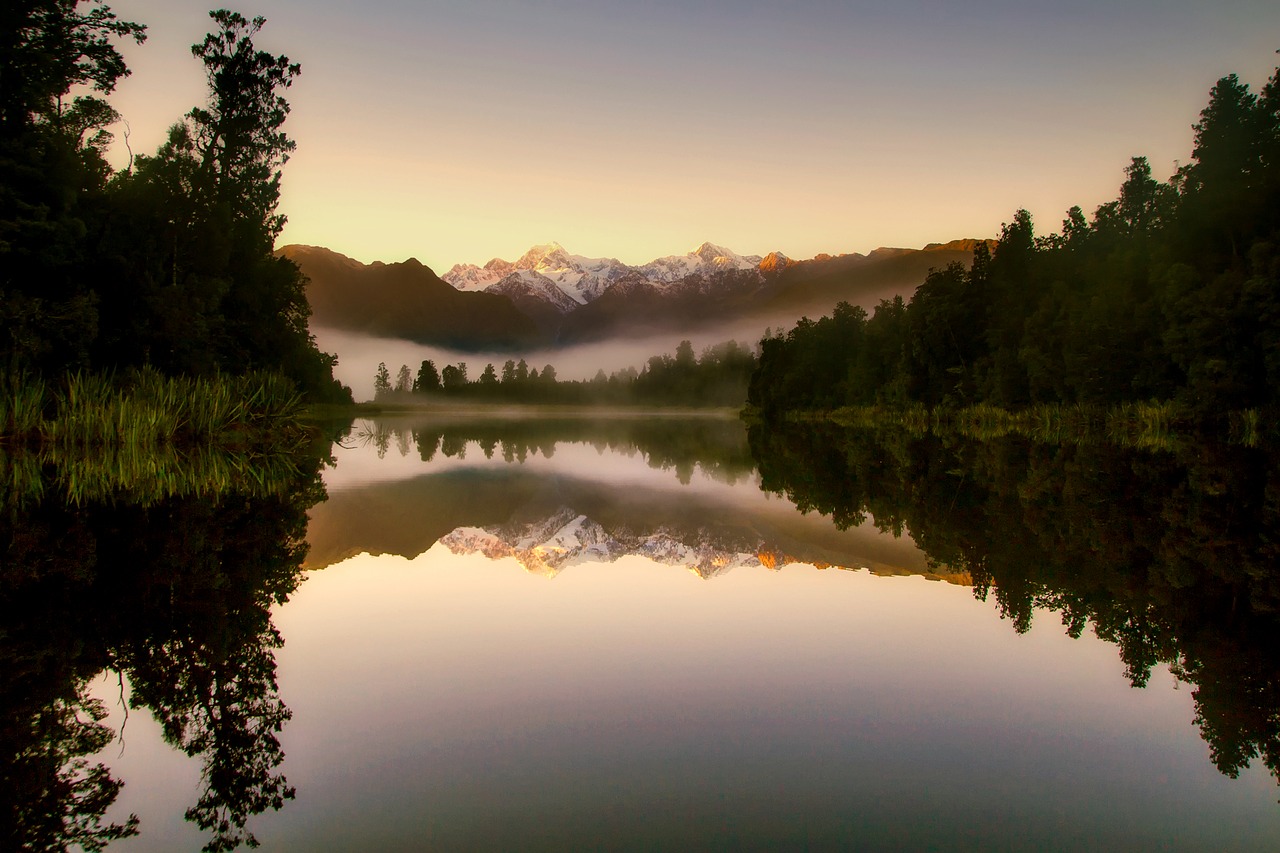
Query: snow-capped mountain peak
x,y
543,257
579,278
775,261
704,260
530,284
582,279
711,252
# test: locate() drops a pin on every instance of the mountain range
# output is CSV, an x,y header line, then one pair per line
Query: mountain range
x,y
550,296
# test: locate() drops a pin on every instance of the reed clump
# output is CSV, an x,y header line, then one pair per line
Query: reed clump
x,y
1157,425
146,410
22,400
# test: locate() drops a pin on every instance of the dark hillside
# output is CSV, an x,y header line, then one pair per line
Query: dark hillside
x,y
406,300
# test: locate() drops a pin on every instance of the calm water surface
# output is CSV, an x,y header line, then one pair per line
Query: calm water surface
x,y
624,635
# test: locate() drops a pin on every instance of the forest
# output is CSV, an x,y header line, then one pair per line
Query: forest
x,y
167,263
1170,293
716,378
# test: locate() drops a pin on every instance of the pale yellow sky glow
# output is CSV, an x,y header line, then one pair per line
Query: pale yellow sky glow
x,y
459,132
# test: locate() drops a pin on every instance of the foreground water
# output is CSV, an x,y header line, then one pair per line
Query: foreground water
x,y
556,634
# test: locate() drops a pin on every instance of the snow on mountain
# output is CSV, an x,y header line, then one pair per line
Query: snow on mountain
x,y
544,547
474,540
704,260
774,261
472,277
567,538
528,284
701,558
583,279
580,278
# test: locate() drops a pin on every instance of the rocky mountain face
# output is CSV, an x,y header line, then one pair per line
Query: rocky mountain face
x,y
549,296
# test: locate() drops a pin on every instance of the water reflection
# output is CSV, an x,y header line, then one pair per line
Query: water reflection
x,y
627,702
173,594
1171,556
558,492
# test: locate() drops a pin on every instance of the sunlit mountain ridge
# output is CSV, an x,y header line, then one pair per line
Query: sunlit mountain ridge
x,y
552,297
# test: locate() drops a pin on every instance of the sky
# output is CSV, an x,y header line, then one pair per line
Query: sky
x,y
455,132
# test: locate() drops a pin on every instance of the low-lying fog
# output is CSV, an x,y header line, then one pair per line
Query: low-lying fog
x,y
359,355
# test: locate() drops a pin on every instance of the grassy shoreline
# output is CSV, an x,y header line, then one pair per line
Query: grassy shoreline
x,y
146,410
145,437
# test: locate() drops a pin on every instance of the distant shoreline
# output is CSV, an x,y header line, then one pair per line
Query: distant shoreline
x,y
521,410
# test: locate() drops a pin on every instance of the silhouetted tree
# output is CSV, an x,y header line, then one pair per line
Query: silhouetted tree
x,y
428,379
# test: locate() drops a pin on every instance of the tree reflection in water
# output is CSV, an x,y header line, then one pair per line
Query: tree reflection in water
x,y
174,594
1172,556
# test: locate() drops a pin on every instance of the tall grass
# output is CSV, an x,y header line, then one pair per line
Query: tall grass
x,y
144,409
22,400
146,436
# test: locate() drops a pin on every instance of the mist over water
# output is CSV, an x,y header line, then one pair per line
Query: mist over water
x,y
359,355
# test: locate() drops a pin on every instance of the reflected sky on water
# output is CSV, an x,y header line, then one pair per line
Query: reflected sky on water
x,y
445,699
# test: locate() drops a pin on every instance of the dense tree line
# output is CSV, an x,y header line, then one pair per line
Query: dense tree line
x,y
717,377
169,261
1171,292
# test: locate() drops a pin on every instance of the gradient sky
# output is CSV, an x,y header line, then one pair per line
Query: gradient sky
x,y
460,131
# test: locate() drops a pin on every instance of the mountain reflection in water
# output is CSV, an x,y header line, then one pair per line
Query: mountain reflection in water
x,y
434,696
554,493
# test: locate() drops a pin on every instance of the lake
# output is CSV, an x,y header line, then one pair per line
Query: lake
x,y
654,633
